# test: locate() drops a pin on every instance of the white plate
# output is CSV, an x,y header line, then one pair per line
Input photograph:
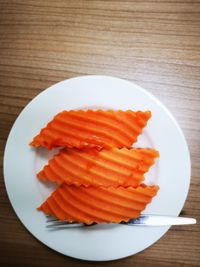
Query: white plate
x,y
171,171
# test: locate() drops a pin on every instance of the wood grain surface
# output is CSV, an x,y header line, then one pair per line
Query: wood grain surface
x,y
155,44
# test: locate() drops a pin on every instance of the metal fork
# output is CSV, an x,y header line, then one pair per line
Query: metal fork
x,y
143,220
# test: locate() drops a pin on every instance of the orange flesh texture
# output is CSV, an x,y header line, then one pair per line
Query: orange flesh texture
x,y
96,205
114,167
101,129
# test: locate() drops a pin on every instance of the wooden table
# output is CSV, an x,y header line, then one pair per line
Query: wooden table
x,y
155,44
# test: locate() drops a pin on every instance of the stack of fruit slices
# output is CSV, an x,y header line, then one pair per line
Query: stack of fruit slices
x,y
100,176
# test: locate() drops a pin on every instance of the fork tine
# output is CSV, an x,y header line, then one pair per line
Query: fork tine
x,y
51,218
64,225
61,222
53,222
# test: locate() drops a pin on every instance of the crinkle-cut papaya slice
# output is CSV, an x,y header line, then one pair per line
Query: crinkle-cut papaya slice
x,y
92,128
114,167
95,205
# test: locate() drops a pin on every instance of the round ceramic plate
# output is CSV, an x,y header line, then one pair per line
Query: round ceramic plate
x,y
26,193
